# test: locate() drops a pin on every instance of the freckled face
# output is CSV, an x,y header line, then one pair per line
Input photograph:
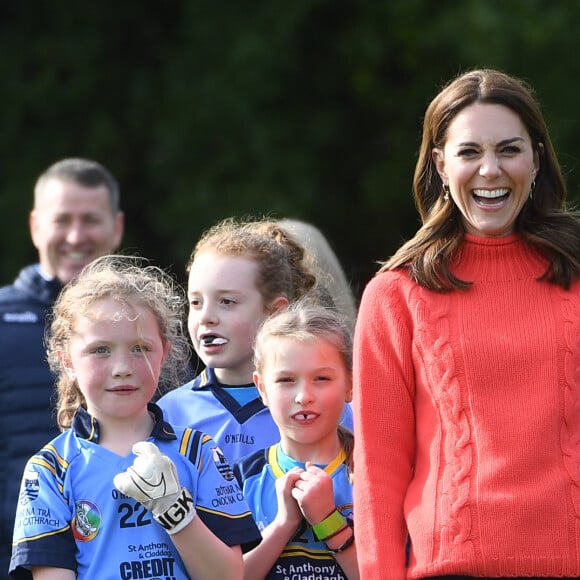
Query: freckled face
x,y
489,164
116,353
226,309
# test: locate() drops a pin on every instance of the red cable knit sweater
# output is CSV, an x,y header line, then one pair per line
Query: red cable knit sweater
x,y
467,421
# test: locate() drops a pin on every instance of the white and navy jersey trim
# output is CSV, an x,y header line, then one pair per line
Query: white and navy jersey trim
x,y
87,427
70,515
304,556
204,404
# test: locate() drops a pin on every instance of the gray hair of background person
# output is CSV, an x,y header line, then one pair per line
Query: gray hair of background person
x,y
84,171
330,274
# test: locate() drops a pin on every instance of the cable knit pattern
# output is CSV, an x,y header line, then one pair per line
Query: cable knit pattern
x,y
467,421
433,335
570,431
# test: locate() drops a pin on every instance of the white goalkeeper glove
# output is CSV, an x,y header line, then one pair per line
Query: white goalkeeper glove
x,y
152,480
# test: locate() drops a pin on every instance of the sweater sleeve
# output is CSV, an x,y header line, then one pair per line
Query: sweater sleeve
x,y
384,425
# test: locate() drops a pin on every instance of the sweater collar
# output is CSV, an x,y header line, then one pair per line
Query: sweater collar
x,y
498,259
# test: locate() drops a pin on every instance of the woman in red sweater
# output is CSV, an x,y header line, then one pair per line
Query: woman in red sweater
x,y
467,356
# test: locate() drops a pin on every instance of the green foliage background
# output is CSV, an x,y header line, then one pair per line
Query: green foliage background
x,y
308,109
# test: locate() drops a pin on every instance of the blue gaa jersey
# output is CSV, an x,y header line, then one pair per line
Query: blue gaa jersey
x,y
235,417
304,557
70,515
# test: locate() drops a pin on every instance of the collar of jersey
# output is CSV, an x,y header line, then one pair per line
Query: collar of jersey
x,y
208,380
87,427
282,463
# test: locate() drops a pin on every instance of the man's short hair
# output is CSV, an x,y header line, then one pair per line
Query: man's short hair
x,y
83,171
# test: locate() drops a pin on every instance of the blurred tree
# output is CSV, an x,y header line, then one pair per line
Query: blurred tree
x,y
308,109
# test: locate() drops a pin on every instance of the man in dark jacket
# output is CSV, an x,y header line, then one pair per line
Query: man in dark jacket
x,y
76,218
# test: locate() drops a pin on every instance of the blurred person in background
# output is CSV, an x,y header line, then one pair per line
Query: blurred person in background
x,y
332,281
76,218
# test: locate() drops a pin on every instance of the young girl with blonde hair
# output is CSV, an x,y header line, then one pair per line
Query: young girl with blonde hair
x,y
118,492
300,489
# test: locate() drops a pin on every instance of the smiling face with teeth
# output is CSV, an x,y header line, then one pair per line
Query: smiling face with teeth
x,y
489,164
71,225
305,383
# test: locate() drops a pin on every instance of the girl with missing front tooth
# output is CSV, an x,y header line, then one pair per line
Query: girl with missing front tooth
x,y
239,273
300,489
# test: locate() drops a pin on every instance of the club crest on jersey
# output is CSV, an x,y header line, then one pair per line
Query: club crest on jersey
x,y
222,464
86,521
30,488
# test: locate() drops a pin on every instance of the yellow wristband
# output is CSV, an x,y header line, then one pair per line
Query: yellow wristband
x,y
329,526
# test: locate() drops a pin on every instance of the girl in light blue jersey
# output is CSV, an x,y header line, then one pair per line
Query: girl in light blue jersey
x,y
121,493
240,272
300,489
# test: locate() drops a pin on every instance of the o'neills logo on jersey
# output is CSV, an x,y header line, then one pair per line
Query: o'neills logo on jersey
x,y
222,464
30,487
240,438
86,521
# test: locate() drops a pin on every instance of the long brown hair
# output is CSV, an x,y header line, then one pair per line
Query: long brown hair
x,y
544,220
